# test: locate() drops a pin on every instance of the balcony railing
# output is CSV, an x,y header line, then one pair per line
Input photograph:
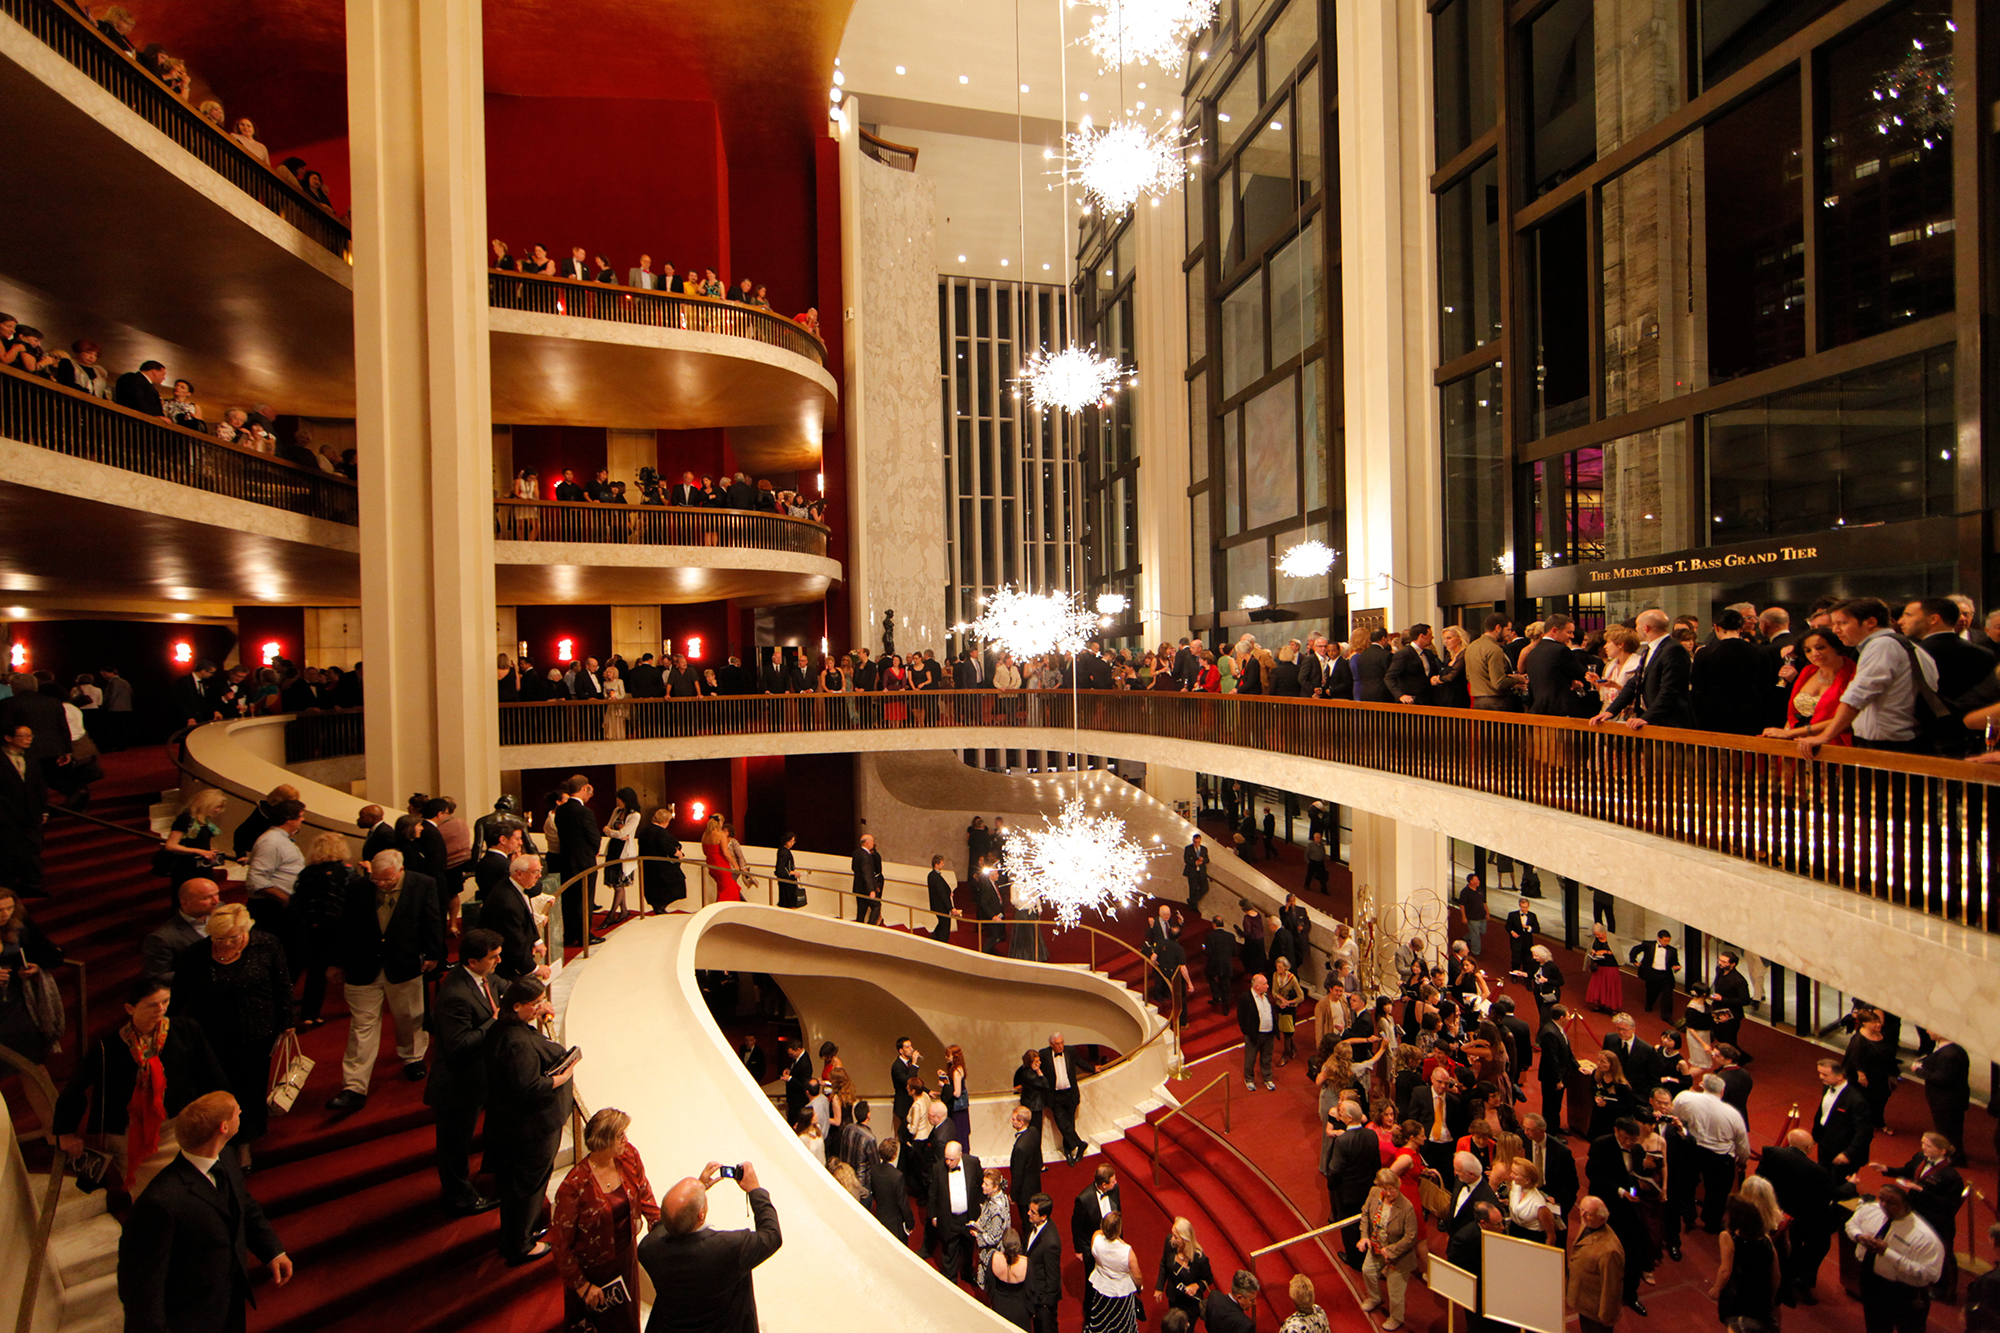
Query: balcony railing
x,y
900,156
38,412
654,525
70,36
1900,829
654,310
312,736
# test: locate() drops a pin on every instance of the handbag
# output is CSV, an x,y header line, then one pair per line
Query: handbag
x,y
290,1067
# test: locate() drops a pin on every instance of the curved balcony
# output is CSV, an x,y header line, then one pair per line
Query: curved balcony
x,y
571,551
568,352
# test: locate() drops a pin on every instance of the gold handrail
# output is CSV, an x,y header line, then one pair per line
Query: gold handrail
x,y
1314,1234
1181,1109
1173,1024
41,1093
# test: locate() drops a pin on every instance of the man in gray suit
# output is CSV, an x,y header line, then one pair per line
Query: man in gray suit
x,y
189,925
643,276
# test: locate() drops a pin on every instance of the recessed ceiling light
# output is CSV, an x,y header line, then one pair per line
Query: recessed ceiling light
x,y
1142,87
1083,97
1141,106
1222,116
839,79
1045,268
899,69
1276,126
1024,87
965,78
1003,263
961,259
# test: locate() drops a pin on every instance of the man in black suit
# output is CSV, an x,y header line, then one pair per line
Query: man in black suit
x,y
1556,1064
702,1278
1641,1060
686,492
890,1199
1777,648
1219,962
391,933
1728,680
1555,675
1234,1309
1656,963
1094,1202
576,267
956,1194
868,881
1841,1124
578,833
422,846
1522,926
504,909
902,1069
1441,1132
1413,668
1194,864
1612,1179
1658,688
1257,1019
1024,1161
1731,992
24,804
1552,1158
587,683
567,488
939,889
1947,1073
1371,669
139,389
467,1006
1933,623
645,680
181,1257
1805,1191
1065,1070
1044,1251
740,494
1468,1190
1353,1160
798,1078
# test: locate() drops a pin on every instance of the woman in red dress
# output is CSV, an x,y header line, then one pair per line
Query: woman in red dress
x,y
595,1229
1606,992
713,841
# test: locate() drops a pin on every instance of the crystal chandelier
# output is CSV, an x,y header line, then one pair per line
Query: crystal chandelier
x,y
1071,379
1252,601
1029,624
1146,31
1118,164
1112,603
1308,560
1078,862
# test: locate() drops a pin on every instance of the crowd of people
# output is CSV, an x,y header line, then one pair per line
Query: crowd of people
x,y
146,391
710,491
583,265
118,25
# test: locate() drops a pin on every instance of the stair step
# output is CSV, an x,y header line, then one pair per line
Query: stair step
x,y
92,1303
73,1208
81,1253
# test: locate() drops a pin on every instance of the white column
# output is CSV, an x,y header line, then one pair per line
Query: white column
x,y
423,403
1387,243
1165,591
1402,876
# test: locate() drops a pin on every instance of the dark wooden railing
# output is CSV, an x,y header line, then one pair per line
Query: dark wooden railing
x,y
654,525
898,155
654,310
310,736
78,41
1901,829
45,414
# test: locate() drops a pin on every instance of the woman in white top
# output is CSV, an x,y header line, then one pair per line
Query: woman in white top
x,y
1621,657
1345,947
1111,1296
1006,676
615,707
246,135
1530,1214
623,850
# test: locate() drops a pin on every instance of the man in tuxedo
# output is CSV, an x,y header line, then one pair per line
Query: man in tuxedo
x,y
1656,963
1024,1162
1805,1191
1352,1161
1257,1019
1947,1073
1658,688
1194,864
1728,681
1552,1158
685,492
902,1069
1065,1069
1522,926
24,804
506,911
576,267
1094,1202
1555,675
1370,668
1933,623
587,683
956,1195
139,389
181,1257
1468,1190
868,881
466,1008
701,1277
1841,1124
1413,668
1044,1251
939,889
391,934
1640,1059
1555,1065
645,680
1612,1179
799,1082
579,835
1219,962
890,1199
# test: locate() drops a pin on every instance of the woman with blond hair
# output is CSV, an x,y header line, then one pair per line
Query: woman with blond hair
x,y
319,898
1185,1274
595,1229
190,847
236,985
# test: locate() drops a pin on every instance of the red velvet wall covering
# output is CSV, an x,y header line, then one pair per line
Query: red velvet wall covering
x,y
550,449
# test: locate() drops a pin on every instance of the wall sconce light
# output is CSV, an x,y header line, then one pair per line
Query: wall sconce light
x,y
17,656
521,649
698,811
564,647
183,653
271,652
694,648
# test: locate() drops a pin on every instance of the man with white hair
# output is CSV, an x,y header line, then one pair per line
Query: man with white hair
x,y
1469,1188
1721,1140
1658,687
391,933
1596,1285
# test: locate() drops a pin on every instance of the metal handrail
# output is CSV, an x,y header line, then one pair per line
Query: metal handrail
x,y
1314,1234
63,420
41,1092
633,524
1173,1024
101,822
1181,1109
878,149
538,294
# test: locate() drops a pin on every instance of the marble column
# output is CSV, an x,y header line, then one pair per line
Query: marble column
x,y
416,124
1402,883
1160,421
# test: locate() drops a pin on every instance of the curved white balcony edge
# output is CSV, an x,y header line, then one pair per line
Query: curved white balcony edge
x,y
728,346
651,1050
622,556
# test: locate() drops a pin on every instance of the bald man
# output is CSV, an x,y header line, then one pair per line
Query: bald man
x,y
1805,1191
702,1278
1596,1268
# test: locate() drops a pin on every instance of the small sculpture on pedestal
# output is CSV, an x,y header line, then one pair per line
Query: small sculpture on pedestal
x,y
888,632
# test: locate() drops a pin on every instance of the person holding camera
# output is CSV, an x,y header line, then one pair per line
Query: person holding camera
x,y
701,1277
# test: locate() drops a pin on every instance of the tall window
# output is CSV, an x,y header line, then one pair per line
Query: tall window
x,y
1109,453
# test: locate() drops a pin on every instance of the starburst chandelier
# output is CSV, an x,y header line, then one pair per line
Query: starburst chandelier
x,y
1252,601
1118,164
1916,95
1072,379
1142,31
1028,624
1308,560
1112,603
1078,862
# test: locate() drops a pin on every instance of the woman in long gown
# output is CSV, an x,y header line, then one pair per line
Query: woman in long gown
x,y
595,1229
716,853
1606,991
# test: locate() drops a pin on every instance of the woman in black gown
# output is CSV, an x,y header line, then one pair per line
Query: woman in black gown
x,y
665,881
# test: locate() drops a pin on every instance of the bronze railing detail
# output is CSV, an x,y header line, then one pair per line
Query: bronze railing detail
x,y
898,155
1900,829
45,414
655,525
540,295
69,35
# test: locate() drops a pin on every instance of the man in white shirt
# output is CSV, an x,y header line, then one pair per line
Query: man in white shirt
x,y
1881,704
955,1200
1899,1257
1721,1140
1065,1071
643,276
1259,1023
